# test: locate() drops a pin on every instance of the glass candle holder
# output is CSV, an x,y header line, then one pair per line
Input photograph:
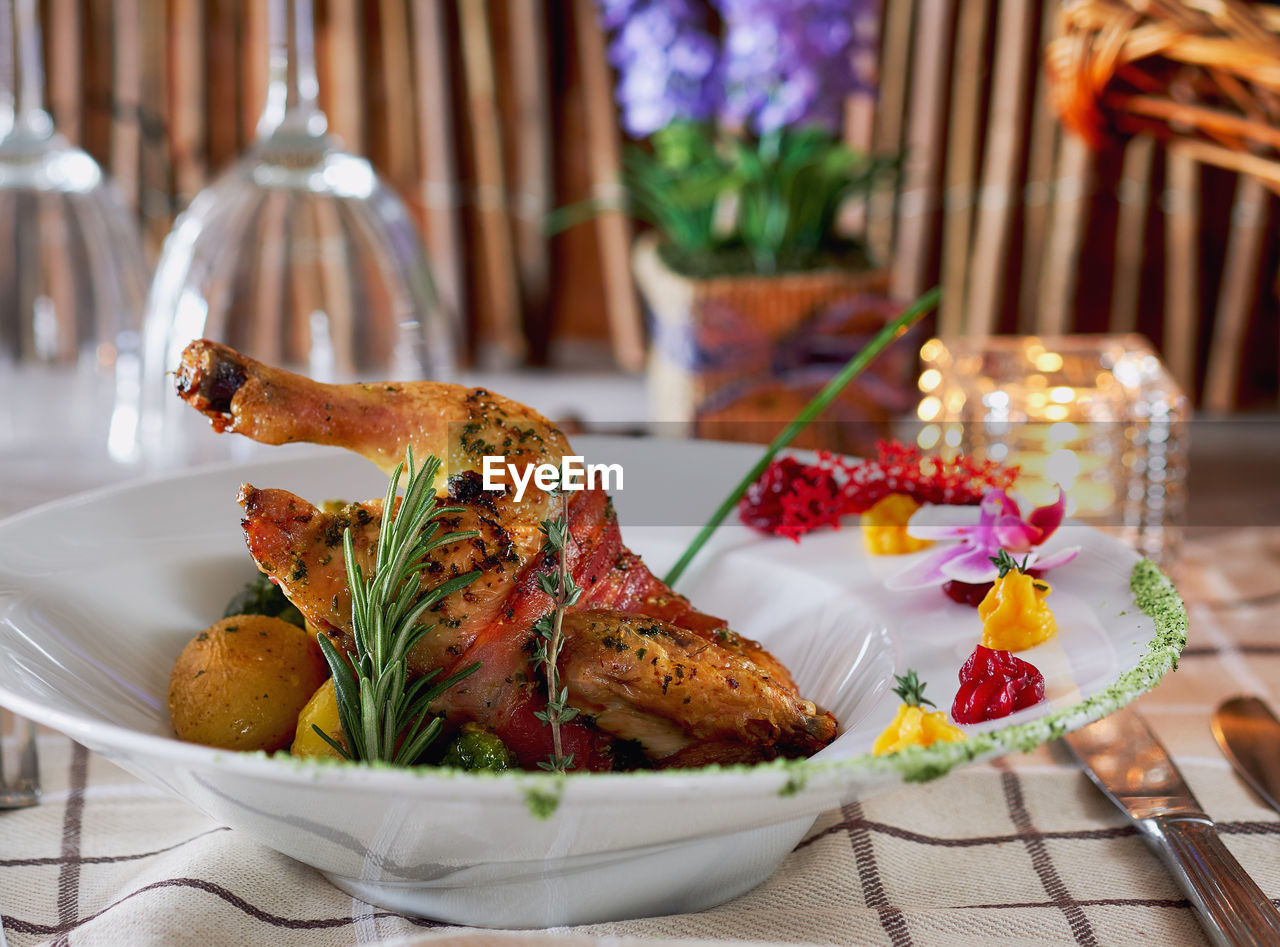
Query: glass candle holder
x,y
1098,415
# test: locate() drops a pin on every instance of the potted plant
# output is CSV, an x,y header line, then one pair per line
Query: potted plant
x,y
756,298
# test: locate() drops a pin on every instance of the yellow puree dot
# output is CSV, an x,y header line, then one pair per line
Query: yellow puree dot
x,y
914,726
884,527
1014,614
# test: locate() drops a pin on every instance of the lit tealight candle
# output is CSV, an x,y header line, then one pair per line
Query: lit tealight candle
x,y
1097,415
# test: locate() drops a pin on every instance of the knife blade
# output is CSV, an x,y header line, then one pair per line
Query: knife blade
x,y
1126,761
1248,734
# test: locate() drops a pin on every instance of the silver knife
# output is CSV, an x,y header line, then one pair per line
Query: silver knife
x,y
1126,761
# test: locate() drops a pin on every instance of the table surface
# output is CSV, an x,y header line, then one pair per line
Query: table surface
x,y
1023,849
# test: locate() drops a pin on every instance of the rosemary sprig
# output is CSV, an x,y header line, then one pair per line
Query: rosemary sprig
x,y
564,592
384,716
851,370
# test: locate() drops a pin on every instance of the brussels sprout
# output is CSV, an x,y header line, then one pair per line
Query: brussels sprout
x,y
477,748
261,596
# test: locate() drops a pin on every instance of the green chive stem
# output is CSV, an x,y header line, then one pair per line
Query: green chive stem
x,y
851,370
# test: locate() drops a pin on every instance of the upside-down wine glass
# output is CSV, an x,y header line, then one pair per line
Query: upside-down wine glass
x,y
299,255
72,273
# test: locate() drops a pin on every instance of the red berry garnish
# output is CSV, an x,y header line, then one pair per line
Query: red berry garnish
x,y
967,593
972,593
790,498
926,478
994,684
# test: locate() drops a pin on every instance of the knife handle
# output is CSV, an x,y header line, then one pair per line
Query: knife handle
x,y
1232,908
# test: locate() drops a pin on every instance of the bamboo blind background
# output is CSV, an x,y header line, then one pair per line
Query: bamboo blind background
x,y
485,114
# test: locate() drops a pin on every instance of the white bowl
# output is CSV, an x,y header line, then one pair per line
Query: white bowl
x,y
98,593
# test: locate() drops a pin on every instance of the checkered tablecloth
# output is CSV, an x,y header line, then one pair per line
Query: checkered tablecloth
x,y
1024,849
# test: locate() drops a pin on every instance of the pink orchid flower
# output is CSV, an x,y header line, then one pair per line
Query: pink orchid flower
x,y
982,531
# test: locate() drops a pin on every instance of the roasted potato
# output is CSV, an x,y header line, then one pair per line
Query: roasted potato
x,y
241,682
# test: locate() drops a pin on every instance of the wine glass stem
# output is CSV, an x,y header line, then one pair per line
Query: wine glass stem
x,y
21,70
293,89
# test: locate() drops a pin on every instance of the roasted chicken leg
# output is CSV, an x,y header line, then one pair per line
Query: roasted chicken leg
x,y
657,682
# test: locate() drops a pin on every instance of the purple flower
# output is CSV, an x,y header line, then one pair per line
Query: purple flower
x,y
613,13
666,61
995,524
790,63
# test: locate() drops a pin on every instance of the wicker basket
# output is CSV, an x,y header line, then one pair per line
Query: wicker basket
x,y
736,358
1203,74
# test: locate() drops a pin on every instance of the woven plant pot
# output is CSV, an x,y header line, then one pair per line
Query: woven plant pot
x,y
735,358
1202,75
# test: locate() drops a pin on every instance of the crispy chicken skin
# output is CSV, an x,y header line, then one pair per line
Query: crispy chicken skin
x,y
681,696
646,669
378,421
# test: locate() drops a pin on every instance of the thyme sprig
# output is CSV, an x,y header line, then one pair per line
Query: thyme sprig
x,y
1005,564
564,592
385,716
911,689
